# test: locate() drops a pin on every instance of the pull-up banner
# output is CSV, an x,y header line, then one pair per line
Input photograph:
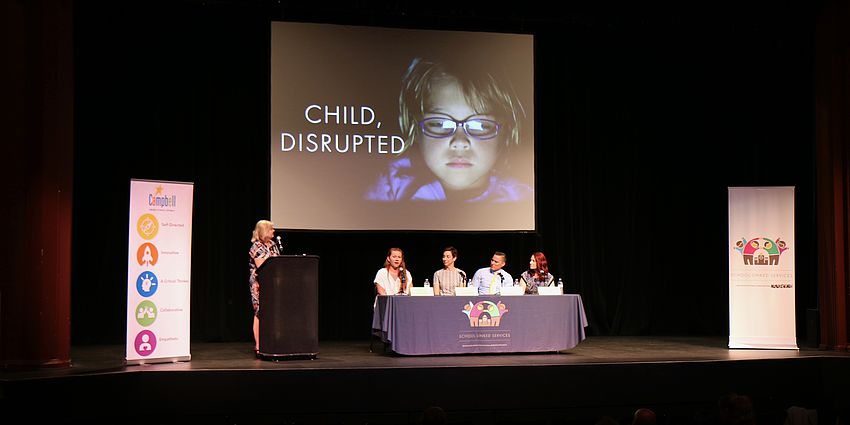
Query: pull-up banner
x,y
761,268
159,259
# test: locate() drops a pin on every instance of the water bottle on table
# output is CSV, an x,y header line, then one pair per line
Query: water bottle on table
x,y
560,285
427,283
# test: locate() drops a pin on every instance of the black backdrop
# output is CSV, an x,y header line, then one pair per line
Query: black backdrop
x,y
644,117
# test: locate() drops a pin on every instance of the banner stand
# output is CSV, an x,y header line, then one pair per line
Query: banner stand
x,y
159,266
762,271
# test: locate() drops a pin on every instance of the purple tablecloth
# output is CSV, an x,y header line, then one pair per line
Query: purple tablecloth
x,y
482,324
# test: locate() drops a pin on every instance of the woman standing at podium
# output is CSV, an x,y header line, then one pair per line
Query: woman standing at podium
x,y
262,248
394,278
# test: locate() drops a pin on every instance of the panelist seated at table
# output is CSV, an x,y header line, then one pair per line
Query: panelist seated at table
x,y
393,278
537,274
449,277
490,280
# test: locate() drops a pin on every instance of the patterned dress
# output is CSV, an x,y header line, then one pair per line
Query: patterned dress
x,y
532,283
258,250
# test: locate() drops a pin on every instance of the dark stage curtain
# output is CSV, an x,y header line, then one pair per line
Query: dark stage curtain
x,y
643,121
833,173
36,175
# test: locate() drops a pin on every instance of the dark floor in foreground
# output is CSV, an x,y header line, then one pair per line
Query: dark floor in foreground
x,y
681,378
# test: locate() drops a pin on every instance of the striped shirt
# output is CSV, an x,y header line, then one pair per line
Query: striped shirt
x,y
448,280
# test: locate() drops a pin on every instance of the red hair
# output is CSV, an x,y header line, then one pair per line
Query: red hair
x,y
542,265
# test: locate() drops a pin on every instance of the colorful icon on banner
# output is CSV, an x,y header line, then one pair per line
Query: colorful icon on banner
x,y
760,251
485,313
147,254
147,226
147,284
145,313
145,343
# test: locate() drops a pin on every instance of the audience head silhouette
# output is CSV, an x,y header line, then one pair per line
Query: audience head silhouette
x,y
735,409
434,415
644,416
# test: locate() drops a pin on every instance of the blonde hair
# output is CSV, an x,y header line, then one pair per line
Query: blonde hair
x,y
261,230
486,93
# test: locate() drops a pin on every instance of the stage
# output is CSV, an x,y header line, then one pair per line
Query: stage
x,y
681,378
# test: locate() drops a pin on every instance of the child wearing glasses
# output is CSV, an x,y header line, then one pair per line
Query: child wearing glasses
x,y
460,124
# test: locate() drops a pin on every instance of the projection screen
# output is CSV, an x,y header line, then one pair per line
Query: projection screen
x,y
398,129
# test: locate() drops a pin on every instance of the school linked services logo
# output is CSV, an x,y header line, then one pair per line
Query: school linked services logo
x,y
760,251
485,313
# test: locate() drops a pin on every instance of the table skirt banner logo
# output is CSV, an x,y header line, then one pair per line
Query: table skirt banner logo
x,y
761,268
485,313
760,251
485,317
159,258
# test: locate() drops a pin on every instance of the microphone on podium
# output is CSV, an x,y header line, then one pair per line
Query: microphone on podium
x,y
279,244
462,277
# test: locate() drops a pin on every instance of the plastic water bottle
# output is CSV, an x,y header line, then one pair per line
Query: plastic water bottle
x,y
516,282
561,285
427,283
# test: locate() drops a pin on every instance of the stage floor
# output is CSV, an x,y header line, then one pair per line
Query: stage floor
x,y
357,355
224,383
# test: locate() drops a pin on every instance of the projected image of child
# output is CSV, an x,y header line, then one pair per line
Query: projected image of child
x,y
460,121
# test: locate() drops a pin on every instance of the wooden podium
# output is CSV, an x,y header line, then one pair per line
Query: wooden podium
x,y
289,307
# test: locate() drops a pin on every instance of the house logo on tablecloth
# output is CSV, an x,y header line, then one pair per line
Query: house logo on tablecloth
x,y
485,313
760,251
